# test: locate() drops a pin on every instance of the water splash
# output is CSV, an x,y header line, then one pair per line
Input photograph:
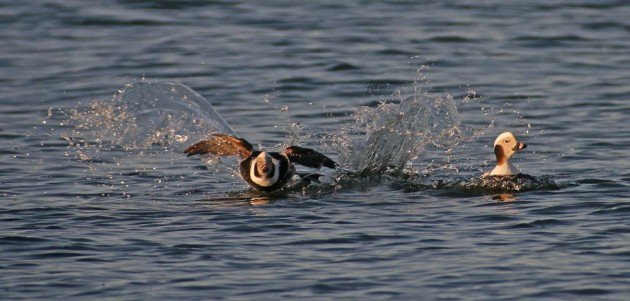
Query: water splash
x,y
146,120
147,113
392,134
418,136
419,128
295,134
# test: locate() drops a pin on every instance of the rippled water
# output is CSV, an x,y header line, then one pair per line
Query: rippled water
x,y
91,211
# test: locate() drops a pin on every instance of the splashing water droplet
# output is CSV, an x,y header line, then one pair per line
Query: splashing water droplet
x,y
146,115
395,133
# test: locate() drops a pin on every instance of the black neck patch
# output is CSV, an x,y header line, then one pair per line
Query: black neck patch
x,y
498,152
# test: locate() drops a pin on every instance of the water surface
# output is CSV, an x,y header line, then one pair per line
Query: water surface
x,y
90,217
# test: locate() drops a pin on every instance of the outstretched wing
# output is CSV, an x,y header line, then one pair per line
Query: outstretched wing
x,y
308,157
221,145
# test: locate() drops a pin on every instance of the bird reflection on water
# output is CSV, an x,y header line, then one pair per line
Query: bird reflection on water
x,y
504,197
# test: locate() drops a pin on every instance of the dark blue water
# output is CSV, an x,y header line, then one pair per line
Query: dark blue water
x,y
86,214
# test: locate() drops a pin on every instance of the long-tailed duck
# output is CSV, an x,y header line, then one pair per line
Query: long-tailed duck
x,y
264,171
505,146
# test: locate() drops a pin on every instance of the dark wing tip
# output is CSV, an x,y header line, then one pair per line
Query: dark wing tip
x,y
329,163
308,157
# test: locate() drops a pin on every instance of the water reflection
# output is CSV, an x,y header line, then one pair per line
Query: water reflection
x,y
504,197
248,199
259,201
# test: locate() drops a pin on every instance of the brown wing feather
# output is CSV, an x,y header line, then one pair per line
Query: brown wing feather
x,y
308,157
221,145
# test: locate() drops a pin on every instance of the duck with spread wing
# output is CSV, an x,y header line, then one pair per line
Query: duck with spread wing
x,y
262,170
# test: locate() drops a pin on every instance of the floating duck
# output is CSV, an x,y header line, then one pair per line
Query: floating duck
x,y
505,146
264,171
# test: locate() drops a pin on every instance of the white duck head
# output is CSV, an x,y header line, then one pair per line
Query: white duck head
x,y
505,146
264,171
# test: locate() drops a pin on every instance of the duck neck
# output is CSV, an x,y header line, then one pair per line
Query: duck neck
x,y
504,169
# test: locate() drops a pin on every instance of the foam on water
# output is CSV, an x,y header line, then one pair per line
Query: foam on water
x,y
472,186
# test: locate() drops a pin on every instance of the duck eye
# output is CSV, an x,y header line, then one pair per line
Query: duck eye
x,y
506,140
